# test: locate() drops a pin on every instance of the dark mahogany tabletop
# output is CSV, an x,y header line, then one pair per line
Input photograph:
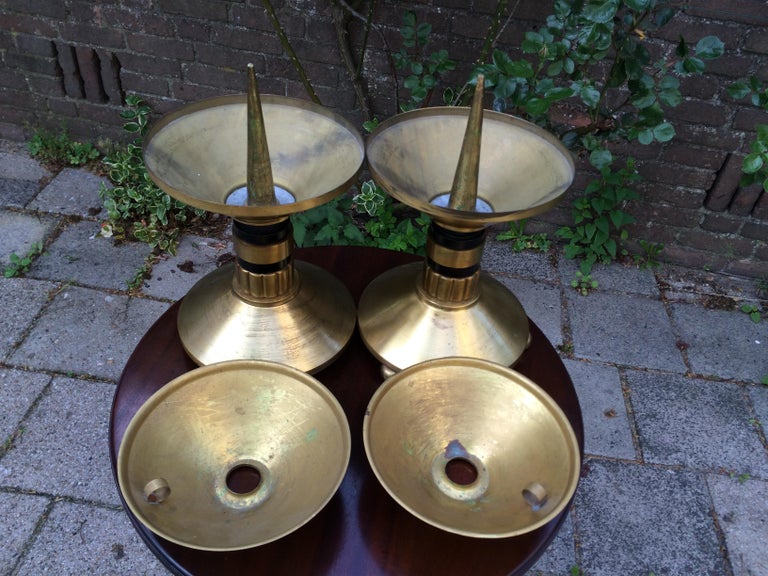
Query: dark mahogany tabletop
x,y
362,531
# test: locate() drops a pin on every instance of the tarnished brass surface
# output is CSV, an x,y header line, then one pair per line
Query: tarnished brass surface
x,y
523,170
402,326
198,154
307,328
516,454
233,455
464,187
260,185
259,159
467,168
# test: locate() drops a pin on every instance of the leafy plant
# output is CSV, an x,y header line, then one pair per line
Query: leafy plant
x,y
422,68
755,164
369,218
515,233
752,311
61,149
135,205
598,214
20,264
591,61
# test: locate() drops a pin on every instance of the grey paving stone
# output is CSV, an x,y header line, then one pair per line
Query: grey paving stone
x,y
614,277
18,391
541,303
721,343
73,192
173,276
64,449
607,431
18,165
20,232
77,539
625,329
742,508
20,514
77,256
86,331
695,423
499,257
20,301
636,520
17,193
759,397
560,555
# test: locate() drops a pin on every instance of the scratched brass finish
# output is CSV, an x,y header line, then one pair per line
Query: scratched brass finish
x,y
466,168
259,159
304,321
198,154
402,325
523,170
478,415
181,452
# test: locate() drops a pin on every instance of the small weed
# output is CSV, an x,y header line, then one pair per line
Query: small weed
x,y
522,241
575,571
753,311
649,259
566,348
21,264
764,381
583,283
762,287
61,149
142,274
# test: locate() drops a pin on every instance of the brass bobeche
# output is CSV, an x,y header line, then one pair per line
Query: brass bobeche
x,y
259,159
472,447
467,168
233,455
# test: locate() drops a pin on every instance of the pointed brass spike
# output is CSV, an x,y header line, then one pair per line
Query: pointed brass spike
x,y
464,188
261,187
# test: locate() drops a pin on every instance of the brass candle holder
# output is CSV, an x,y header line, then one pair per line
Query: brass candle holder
x,y
259,160
430,159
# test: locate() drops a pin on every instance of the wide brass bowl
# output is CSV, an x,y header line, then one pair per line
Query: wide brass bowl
x,y
233,455
472,447
198,154
524,170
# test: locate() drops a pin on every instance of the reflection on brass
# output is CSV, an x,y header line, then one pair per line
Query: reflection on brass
x,y
259,159
516,454
467,169
261,188
464,187
233,455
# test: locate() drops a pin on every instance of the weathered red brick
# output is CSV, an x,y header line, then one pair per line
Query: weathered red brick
x,y
744,199
755,230
721,193
723,223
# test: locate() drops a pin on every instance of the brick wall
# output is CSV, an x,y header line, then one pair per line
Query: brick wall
x,y
71,62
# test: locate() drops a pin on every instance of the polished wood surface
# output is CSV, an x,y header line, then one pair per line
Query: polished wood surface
x,y
362,531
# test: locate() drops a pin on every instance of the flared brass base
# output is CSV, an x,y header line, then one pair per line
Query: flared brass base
x,y
402,326
306,330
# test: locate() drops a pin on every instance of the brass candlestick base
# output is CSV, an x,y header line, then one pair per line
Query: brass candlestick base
x,y
431,160
260,160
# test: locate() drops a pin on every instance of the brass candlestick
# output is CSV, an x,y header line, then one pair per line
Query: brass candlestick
x,y
259,160
431,159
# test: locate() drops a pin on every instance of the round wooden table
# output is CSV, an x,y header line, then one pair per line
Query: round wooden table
x,y
362,531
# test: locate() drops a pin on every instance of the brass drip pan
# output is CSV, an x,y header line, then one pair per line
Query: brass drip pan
x,y
233,455
472,447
